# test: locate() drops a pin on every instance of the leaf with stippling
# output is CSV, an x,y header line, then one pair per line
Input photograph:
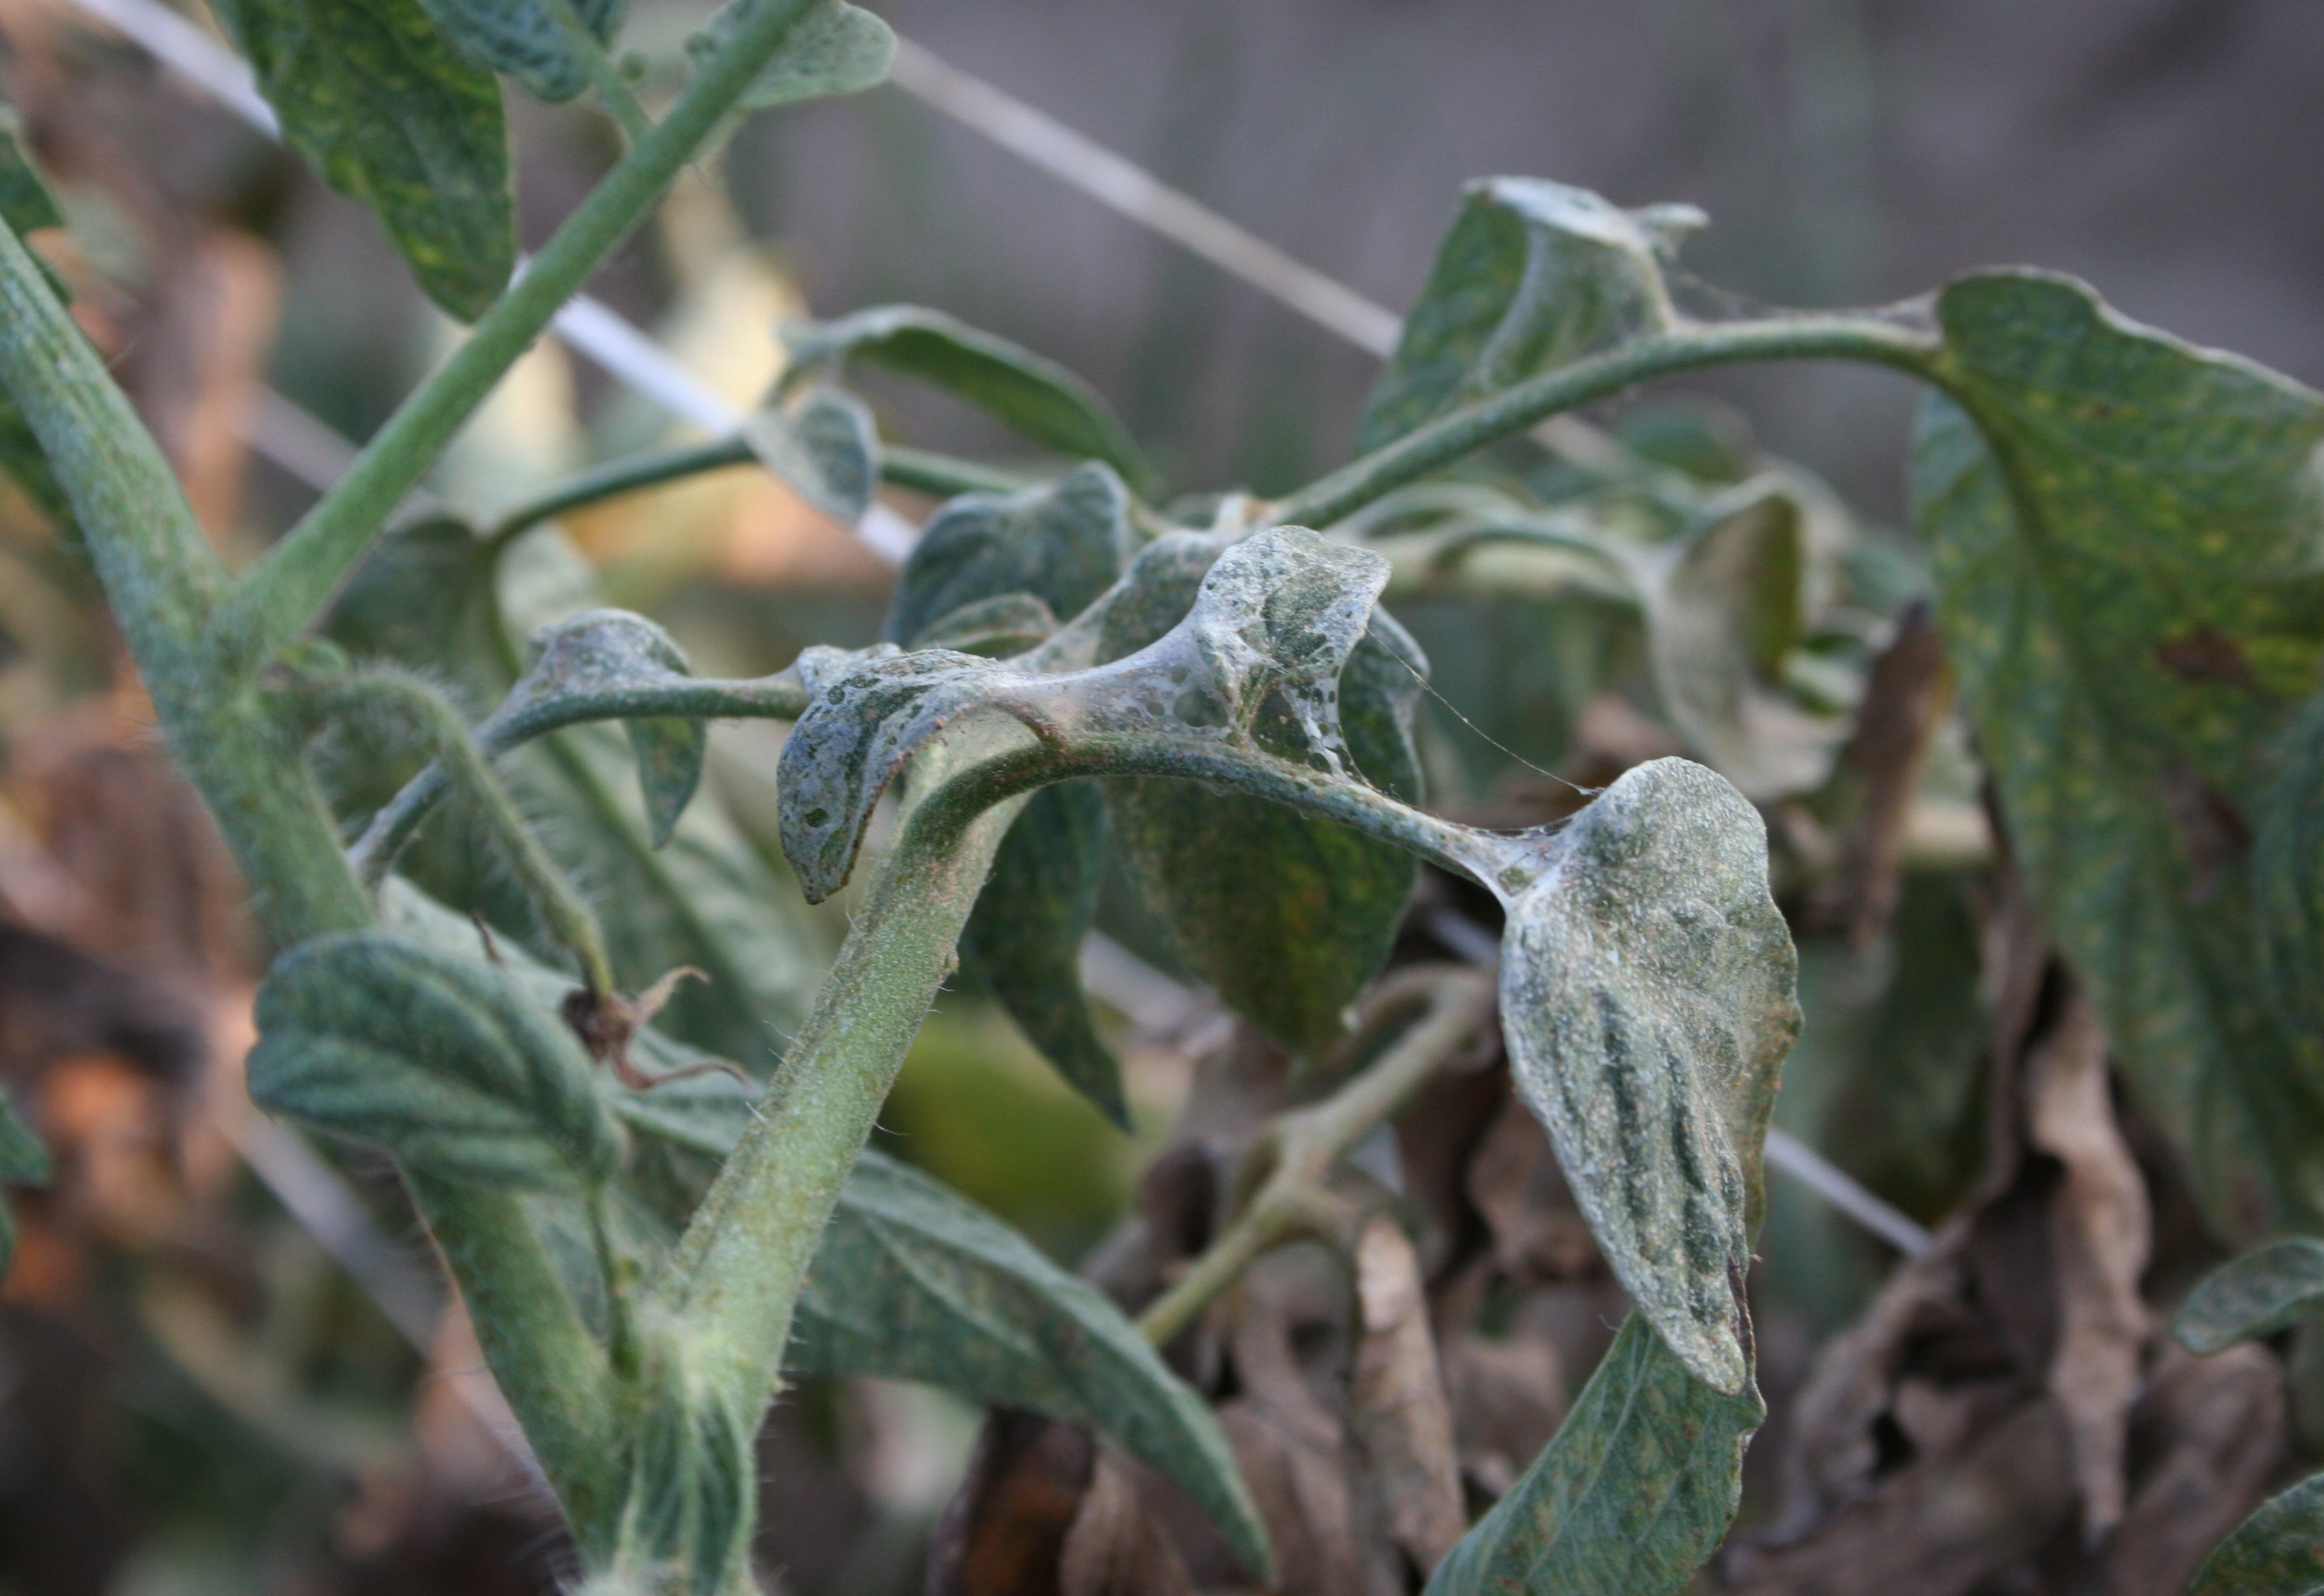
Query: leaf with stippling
x,y
23,1161
1630,1498
608,651
2267,1290
2124,531
392,117
2278,1551
866,713
1286,916
1647,1003
1532,275
1036,396
442,1060
1023,939
526,40
1725,606
995,627
835,49
26,206
1064,542
912,1282
823,448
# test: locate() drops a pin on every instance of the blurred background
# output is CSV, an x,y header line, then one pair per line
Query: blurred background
x,y
198,1391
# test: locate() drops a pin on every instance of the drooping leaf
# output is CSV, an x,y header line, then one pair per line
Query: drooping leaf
x,y
1286,916
23,1161
1023,939
526,40
821,446
1647,1003
1532,275
2126,534
1036,396
607,650
2278,1551
433,596
1725,606
2267,1290
1064,542
912,1282
1630,1498
835,49
397,119
442,1060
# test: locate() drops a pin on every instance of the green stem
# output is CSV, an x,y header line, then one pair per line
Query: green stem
x,y
939,475
278,596
611,89
1308,1144
730,1290
548,1366
1441,442
562,909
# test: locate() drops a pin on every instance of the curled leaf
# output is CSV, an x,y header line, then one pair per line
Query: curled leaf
x,y
525,40
1646,1001
610,651
1063,543
2267,1290
835,49
823,448
1532,274
442,1060
1036,396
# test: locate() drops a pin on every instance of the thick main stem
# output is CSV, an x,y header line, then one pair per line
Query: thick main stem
x,y
1447,439
731,1289
282,593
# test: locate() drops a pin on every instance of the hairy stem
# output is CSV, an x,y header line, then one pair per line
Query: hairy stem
x,y
731,1287
1305,1145
282,593
562,909
1441,442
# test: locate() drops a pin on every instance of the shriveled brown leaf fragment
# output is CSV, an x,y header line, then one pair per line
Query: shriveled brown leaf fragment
x,y
1907,697
1004,1532
1397,1411
1115,1548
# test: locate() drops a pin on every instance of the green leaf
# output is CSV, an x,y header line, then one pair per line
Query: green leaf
x,y
1023,939
394,118
1064,542
431,597
2287,875
526,40
1532,275
23,1161
1647,1003
835,49
1725,606
1631,1496
823,448
442,1060
1036,397
1286,916
2267,1290
607,650
2124,531
26,205
2278,1551
913,1282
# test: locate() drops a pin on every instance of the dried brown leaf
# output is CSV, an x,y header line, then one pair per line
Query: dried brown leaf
x,y
1115,1548
1908,695
1397,1412
1004,1532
